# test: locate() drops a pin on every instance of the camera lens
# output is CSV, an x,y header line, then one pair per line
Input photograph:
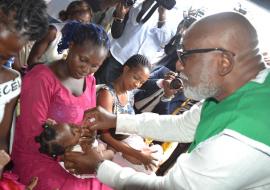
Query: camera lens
x,y
176,83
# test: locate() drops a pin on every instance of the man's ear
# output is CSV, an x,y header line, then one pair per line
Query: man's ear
x,y
225,65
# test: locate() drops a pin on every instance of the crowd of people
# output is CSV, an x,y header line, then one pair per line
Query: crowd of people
x,y
105,87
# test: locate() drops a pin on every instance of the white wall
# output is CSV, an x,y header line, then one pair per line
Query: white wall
x,y
55,6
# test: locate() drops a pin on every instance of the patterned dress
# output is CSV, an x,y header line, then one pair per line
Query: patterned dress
x,y
134,141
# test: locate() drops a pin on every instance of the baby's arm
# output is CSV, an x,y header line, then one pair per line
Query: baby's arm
x,y
107,154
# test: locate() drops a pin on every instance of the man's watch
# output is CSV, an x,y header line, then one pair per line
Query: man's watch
x,y
119,20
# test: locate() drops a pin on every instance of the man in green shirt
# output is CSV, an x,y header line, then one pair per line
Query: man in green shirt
x,y
230,132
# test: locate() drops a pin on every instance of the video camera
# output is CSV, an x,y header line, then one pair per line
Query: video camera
x,y
128,3
189,17
148,10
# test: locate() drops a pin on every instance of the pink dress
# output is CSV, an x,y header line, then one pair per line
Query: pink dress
x,y
43,96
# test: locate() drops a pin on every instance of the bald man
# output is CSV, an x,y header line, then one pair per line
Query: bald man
x,y
221,64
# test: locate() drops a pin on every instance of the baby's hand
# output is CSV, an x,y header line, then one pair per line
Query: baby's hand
x,y
32,184
50,122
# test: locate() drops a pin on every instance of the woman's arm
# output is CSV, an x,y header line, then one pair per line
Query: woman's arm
x,y
6,123
132,155
4,159
40,47
35,99
105,100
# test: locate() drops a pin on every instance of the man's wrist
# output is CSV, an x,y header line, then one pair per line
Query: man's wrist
x,y
118,20
99,164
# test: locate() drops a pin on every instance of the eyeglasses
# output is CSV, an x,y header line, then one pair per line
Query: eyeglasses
x,y
181,53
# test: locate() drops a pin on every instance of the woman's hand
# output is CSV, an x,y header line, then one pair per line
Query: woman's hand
x,y
168,91
147,159
32,184
50,122
98,119
132,159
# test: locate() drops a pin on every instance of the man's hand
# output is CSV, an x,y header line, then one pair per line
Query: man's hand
x,y
121,10
98,119
82,163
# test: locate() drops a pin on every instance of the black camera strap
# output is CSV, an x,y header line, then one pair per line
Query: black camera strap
x,y
145,7
168,4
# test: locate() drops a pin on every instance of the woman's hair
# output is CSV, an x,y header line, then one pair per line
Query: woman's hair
x,y
26,17
79,33
138,60
74,8
47,146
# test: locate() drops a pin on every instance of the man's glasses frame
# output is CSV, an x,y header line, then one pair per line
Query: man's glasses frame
x,y
182,53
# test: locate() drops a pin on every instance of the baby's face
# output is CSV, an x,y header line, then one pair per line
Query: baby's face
x,y
67,135
88,137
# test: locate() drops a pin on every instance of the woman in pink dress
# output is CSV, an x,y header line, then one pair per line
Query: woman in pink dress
x,y
62,92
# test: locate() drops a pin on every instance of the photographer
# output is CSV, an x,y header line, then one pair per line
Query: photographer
x,y
120,17
157,93
130,37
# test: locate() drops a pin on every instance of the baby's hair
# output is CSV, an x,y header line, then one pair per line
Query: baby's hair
x,y
138,60
30,17
79,33
46,146
74,8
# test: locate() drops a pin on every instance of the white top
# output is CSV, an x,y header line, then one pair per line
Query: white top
x,y
55,6
145,39
227,161
51,53
8,91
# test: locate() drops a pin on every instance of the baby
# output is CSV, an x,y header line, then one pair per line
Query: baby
x,y
56,139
